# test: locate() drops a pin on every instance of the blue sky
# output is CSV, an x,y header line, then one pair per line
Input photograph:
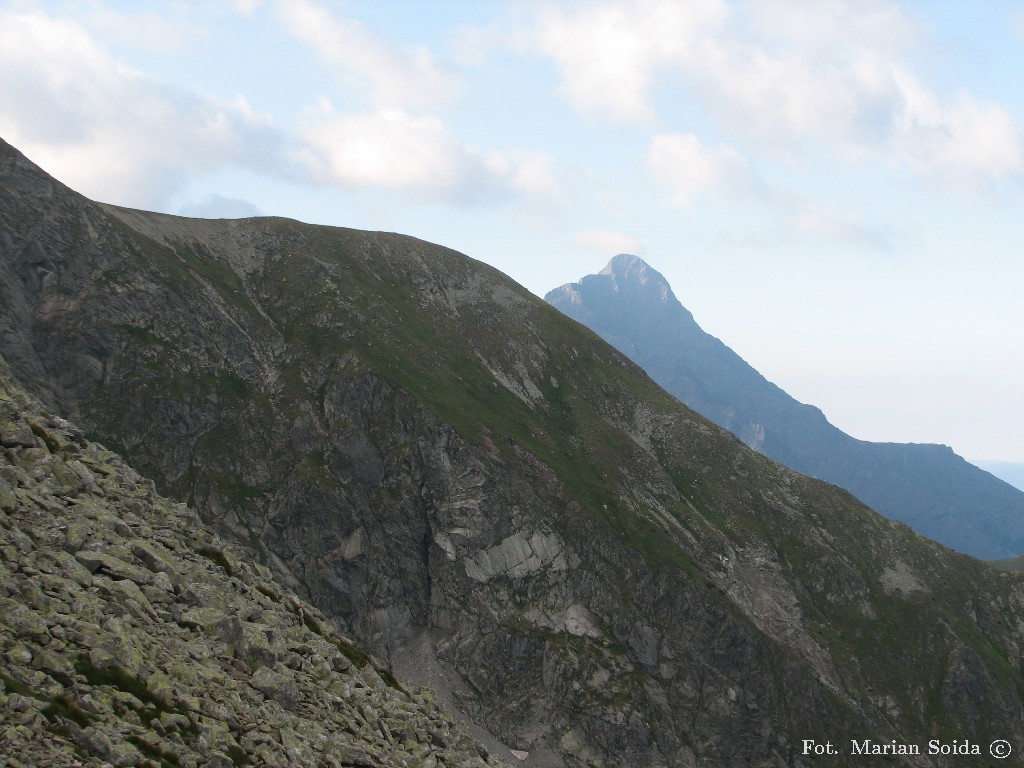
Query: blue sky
x,y
833,188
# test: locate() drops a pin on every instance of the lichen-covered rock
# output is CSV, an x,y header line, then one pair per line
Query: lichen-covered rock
x,y
95,672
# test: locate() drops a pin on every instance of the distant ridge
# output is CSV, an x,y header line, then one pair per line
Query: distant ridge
x,y
929,487
1011,472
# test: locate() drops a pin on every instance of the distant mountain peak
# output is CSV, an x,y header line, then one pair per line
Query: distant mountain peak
x,y
623,263
626,268
633,276
929,487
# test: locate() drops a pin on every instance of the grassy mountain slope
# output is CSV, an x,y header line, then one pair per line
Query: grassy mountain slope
x,y
926,486
483,491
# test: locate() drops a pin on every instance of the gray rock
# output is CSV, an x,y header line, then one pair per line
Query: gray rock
x,y
276,686
101,562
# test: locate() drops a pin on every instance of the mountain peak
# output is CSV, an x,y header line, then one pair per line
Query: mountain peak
x,y
633,275
935,491
623,262
626,280
626,267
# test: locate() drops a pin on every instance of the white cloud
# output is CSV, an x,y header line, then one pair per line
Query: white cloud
x,y
787,98
608,243
392,149
864,99
120,136
793,69
397,77
960,135
781,76
688,168
389,148
401,143
608,53
530,173
109,131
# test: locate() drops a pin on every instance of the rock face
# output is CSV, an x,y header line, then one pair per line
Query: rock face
x,y
929,487
490,498
133,636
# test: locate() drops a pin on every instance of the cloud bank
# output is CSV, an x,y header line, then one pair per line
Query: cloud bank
x,y
784,76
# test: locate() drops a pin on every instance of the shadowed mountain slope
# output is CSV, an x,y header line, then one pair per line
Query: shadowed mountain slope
x,y
929,487
494,500
134,636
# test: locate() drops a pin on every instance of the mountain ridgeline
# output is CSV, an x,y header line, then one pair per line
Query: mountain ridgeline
x,y
937,493
494,501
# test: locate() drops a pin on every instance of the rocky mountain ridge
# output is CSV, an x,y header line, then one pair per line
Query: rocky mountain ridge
x,y
937,493
490,498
